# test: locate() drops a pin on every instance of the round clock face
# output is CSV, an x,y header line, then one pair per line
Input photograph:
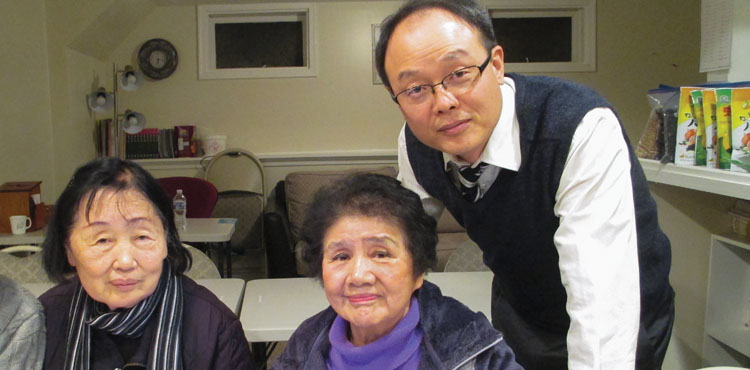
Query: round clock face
x,y
157,58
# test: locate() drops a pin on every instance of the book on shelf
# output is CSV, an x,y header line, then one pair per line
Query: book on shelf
x,y
150,143
143,145
106,141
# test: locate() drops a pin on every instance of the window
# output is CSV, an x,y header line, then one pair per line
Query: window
x,y
546,35
256,41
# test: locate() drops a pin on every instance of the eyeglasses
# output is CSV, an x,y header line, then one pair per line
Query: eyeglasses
x,y
456,82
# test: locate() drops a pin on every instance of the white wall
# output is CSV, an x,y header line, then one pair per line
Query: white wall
x,y
25,133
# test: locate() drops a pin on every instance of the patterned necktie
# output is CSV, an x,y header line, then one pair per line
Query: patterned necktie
x,y
468,178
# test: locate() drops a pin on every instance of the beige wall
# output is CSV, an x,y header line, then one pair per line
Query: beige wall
x,y
340,109
25,133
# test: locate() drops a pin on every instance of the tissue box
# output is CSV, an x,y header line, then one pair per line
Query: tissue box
x,y
18,198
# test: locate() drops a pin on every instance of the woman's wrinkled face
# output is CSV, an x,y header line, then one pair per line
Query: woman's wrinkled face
x,y
119,249
368,275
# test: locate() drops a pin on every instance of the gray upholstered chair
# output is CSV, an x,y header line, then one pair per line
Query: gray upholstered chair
x,y
203,267
23,264
240,178
466,257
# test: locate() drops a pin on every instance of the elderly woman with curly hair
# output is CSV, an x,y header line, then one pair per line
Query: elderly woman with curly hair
x,y
123,301
370,242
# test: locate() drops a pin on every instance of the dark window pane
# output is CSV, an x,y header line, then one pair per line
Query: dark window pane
x,y
257,45
530,40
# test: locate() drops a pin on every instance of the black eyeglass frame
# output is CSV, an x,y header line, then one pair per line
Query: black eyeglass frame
x,y
481,67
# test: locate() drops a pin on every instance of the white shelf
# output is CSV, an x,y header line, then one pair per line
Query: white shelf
x,y
383,157
710,180
727,326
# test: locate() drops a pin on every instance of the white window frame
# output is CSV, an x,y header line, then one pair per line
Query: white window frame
x,y
583,15
210,15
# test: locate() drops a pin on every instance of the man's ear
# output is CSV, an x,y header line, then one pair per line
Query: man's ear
x,y
498,64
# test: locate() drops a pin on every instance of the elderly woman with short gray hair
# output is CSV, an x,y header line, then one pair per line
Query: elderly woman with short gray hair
x,y
370,243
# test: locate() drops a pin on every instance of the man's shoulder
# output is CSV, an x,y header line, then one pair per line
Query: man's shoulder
x,y
554,85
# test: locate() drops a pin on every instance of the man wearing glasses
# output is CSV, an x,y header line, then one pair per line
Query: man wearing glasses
x,y
540,173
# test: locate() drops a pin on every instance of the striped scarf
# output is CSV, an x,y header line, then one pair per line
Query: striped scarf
x,y
166,301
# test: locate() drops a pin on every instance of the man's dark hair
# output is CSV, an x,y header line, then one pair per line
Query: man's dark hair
x,y
370,195
106,174
468,10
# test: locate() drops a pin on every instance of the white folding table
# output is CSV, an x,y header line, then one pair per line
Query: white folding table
x,y
272,309
217,231
33,237
229,291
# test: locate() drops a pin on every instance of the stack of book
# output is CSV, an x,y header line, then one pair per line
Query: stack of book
x,y
143,145
109,139
150,143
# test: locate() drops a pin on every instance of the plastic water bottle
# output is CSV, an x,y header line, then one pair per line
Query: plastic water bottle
x,y
179,204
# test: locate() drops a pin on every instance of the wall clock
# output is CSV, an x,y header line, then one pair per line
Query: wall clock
x,y
157,58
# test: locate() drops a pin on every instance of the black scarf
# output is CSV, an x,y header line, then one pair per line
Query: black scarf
x,y
166,302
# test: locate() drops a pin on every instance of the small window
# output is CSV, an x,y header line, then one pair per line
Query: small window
x,y
256,41
545,35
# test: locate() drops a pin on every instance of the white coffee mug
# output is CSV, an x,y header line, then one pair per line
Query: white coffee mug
x,y
19,224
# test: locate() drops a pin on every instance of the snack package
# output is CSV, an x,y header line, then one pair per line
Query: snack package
x,y
659,134
723,127
709,116
696,107
687,130
740,130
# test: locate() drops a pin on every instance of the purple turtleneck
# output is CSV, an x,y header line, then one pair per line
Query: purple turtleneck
x,y
398,349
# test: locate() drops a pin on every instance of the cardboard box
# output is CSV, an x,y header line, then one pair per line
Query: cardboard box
x,y
17,198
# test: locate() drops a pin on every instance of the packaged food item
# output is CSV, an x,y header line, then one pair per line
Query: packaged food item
x,y
709,116
661,125
649,146
723,127
183,141
687,130
696,107
740,130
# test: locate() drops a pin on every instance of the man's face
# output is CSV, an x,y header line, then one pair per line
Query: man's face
x,y
423,49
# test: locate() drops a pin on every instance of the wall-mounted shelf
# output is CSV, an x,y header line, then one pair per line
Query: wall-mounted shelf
x,y
710,180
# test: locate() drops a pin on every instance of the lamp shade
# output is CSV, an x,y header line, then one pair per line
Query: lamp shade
x,y
130,79
100,100
133,122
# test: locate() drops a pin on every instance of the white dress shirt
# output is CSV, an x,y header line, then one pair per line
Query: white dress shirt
x,y
596,239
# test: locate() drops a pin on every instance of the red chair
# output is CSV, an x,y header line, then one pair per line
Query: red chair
x,y
201,195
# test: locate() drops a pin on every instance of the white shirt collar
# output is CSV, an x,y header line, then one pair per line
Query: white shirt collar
x,y
504,146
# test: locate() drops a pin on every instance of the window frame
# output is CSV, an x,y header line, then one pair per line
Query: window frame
x,y
583,41
209,15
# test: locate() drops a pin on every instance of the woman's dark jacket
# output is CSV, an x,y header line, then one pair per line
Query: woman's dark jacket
x,y
454,338
212,336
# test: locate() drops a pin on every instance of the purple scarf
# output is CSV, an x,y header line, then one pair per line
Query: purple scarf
x,y
398,349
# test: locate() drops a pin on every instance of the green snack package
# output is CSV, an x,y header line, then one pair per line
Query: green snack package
x,y
741,130
723,127
709,116
700,141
